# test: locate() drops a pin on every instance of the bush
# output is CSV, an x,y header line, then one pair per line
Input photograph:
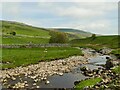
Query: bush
x,y
58,37
13,33
93,36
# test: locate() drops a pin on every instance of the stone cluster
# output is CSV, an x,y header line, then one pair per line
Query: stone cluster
x,y
108,77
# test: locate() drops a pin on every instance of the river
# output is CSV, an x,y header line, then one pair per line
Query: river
x,y
68,79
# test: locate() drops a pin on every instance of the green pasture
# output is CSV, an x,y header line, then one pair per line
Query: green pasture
x,y
24,56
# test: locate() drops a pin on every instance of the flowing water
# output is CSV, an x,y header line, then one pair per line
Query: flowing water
x,y
68,79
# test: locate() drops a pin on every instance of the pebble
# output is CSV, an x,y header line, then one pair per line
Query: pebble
x,y
38,87
61,74
34,84
13,78
47,82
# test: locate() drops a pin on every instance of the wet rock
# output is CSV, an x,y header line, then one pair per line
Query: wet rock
x,y
76,82
105,51
26,85
33,77
85,68
5,80
47,82
109,64
61,74
13,78
44,78
107,57
90,75
95,71
86,88
67,70
34,84
38,87
64,63
19,85
96,87
36,80
25,81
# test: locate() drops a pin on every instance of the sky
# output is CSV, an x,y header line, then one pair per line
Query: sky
x,y
97,16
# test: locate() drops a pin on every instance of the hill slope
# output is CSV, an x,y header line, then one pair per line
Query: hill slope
x,y
24,33
23,29
74,32
109,41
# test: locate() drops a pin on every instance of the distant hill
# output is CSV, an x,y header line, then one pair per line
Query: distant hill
x,y
75,32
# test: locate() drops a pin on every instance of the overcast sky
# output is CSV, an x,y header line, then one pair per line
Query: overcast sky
x,y
95,17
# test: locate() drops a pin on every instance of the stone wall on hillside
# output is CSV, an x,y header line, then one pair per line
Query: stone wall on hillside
x,y
33,45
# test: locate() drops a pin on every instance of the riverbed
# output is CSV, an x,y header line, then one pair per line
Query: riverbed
x,y
68,79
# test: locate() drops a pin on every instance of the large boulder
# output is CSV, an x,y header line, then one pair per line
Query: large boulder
x,y
109,64
85,68
104,51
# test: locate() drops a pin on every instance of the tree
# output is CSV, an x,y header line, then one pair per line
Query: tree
x,y
58,37
93,36
13,33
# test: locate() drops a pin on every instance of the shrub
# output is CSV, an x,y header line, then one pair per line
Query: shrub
x,y
13,33
93,36
58,37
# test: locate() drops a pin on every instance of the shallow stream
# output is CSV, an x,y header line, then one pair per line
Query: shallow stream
x,y
68,79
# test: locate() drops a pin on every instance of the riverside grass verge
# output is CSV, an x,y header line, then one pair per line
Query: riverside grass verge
x,y
116,69
15,57
88,82
116,52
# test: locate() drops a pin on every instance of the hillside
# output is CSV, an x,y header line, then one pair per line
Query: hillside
x,y
24,33
23,29
109,41
74,32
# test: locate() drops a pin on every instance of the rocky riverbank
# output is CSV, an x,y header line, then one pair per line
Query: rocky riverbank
x,y
109,79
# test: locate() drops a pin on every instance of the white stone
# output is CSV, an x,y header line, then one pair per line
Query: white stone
x,y
60,74
38,87
47,82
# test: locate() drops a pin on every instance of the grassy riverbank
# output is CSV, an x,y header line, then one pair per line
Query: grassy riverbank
x,y
117,69
88,82
25,56
116,52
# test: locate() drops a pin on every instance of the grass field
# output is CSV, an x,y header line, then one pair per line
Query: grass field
x,y
88,82
24,40
25,56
